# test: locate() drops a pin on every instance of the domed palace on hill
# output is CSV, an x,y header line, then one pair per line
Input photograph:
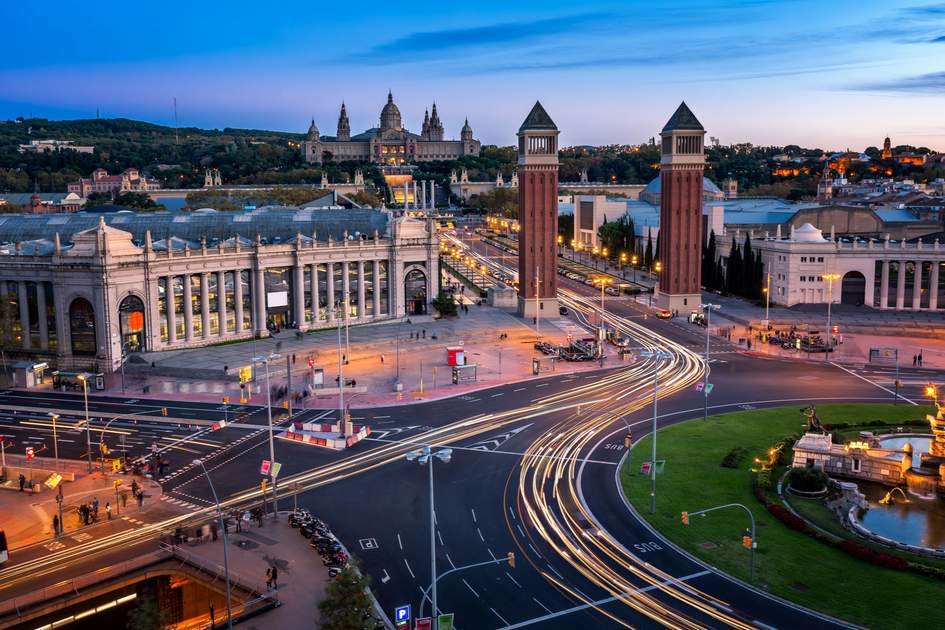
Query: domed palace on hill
x,y
389,143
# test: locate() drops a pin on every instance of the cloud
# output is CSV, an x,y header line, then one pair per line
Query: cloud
x,y
427,43
931,83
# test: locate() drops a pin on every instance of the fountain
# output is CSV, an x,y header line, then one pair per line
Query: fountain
x,y
888,499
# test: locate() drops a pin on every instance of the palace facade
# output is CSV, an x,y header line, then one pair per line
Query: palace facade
x,y
389,143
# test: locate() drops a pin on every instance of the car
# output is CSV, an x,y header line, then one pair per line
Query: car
x,y
664,314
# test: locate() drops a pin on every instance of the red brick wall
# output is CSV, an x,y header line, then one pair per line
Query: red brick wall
x,y
681,230
538,218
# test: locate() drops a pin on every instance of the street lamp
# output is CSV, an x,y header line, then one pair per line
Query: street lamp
x,y
425,456
266,360
55,416
633,262
84,378
829,277
655,354
767,292
226,555
603,282
932,392
707,310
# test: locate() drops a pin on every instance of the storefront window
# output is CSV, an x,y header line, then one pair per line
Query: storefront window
x,y
82,327
195,321
131,323
162,308
230,292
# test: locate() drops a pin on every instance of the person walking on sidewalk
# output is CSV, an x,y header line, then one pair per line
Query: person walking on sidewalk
x,y
268,578
213,531
108,510
275,577
55,524
22,482
95,508
140,499
920,358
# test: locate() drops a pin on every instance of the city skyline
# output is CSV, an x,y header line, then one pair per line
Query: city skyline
x,y
761,72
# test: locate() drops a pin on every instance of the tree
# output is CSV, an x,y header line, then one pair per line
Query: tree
x,y
617,236
444,304
347,604
566,227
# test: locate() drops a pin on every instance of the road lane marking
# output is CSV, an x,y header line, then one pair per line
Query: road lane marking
x,y
499,616
534,550
440,536
863,378
471,588
409,569
386,578
514,581
478,531
450,560
520,389
542,385
497,395
606,600
554,570
400,543
473,514
540,604
520,530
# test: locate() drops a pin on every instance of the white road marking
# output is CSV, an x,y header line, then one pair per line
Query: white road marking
x,y
400,542
555,571
497,395
542,385
534,550
440,536
520,389
509,575
473,514
385,578
409,569
450,560
540,604
863,378
499,616
478,531
470,588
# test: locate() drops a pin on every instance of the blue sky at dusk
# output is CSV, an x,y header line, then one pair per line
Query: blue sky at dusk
x,y
835,74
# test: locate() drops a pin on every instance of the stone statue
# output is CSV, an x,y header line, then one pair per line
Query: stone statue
x,y
813,422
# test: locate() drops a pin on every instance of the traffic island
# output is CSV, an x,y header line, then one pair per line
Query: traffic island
x,y
709,464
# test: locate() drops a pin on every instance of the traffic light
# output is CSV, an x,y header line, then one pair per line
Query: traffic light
x,y
163,411
226,400
285,404
685,518
511,559
930,390
628,439
262,485
746,541
311,362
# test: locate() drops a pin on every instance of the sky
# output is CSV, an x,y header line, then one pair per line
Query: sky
x,y
839,74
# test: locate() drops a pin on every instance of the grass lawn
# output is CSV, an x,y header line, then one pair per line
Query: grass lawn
x,y
789,564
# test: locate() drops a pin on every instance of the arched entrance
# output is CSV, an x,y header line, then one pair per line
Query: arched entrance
x,y
415,292
131,323
853,289
82,327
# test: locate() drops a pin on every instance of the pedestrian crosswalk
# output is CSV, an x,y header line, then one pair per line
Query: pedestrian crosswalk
x,y
133,521
181,503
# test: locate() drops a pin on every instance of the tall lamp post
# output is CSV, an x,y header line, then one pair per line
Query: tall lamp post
x,y
425,457
829,277
266,360
55,417
84,378
707,309
633,263
603,282
226,554
767,292
657,355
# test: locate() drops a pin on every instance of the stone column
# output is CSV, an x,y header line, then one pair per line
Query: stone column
x,y
24,313
259,300
361,312
315,293
238,300
330,268
188,310
933,286
298,302
901,286
377,289
917,286
41,314
171,313
221,301
884,285
346,289
205,304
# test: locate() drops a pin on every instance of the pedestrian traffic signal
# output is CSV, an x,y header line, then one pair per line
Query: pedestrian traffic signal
x,y
511,559
29,452
685,518
163,411
746,541
311,362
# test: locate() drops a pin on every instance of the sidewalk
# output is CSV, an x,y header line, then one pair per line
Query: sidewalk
x,y
27,518
302,577
379,356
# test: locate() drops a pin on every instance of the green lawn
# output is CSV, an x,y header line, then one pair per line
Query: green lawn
x,y
787,563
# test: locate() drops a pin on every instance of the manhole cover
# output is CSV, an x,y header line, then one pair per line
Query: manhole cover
x,y
707,545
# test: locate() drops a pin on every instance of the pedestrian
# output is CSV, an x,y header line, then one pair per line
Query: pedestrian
x,y
108,510
275,577
382,359
293,358
424,333
213,619
95,506
124,499
920,358
140,499
22,482
915,360
239,521
213,531
269,578
55,524
226,526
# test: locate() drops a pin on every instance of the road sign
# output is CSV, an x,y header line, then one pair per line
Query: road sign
x,y
424,623
402,616
264,467
708,388
699,386
29,452
444,622
274,469
53,480
246,374
116,465
645,468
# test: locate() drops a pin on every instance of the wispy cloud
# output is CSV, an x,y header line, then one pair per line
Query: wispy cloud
x,y
427,43
931,83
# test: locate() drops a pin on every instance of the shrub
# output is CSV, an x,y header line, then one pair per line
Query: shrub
x,y
788,518
734,458
445,304
807,479
861,551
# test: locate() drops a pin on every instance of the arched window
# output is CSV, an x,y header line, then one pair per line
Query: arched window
x,y
82,327
131,323
415,293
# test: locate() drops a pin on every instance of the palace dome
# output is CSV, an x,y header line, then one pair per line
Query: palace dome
x,y
807,233
390,115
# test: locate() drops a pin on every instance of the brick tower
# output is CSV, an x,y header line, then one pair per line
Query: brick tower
x,y
538,215
681,167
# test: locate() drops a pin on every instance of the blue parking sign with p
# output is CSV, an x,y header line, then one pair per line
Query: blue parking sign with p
x,y
402,615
